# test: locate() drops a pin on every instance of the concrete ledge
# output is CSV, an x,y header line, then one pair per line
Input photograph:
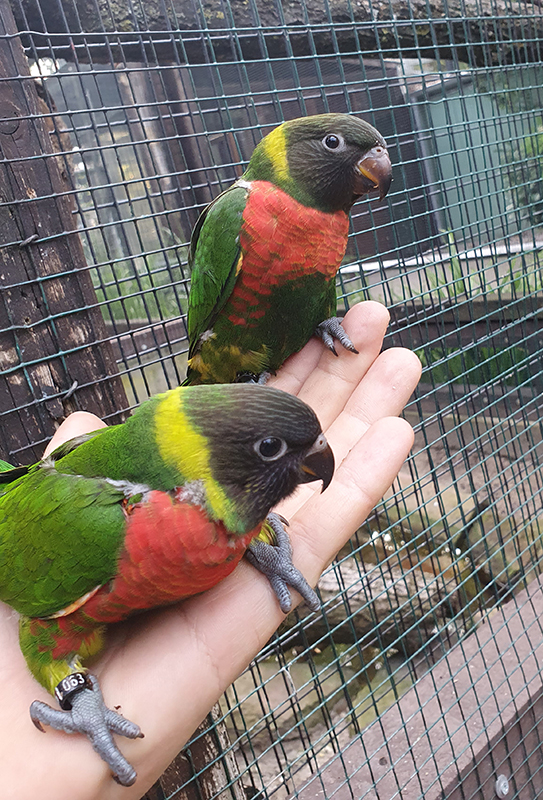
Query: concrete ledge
x,y
475,716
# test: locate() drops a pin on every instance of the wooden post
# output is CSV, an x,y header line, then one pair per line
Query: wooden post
x,y
209,758
54,353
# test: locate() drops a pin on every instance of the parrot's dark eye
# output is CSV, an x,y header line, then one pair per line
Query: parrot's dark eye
x,y
333,142
271,448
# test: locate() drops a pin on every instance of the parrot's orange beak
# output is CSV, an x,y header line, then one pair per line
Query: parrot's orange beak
x,y
374,171
318,465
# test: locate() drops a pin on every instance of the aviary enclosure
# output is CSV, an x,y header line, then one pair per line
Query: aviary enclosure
x,y
421,676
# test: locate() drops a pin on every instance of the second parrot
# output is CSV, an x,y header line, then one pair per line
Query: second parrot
x,y
265,253
141,515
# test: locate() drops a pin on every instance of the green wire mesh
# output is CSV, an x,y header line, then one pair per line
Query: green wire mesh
x,y
151,110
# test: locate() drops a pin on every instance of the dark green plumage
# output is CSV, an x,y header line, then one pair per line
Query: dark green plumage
x,y
64,518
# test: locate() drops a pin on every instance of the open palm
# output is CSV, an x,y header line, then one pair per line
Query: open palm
x,y
166,669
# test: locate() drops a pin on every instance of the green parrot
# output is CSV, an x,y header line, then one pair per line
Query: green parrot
x,y
265,253
141,515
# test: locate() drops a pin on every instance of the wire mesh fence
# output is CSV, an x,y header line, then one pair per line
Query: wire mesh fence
x,y
118,123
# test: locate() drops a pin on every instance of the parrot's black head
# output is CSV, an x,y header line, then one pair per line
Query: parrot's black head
x,y
262,444
326,161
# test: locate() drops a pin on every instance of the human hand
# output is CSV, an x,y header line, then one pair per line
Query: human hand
x,y
168,667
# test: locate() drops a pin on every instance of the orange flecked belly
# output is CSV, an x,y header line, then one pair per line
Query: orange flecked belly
x,y
172,551
282,241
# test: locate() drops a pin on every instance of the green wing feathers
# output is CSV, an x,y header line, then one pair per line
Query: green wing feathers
x,y
214,260
69,543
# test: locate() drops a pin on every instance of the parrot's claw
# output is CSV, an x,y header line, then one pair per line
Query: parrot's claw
x,y
252,377
91,716
275,562
332,329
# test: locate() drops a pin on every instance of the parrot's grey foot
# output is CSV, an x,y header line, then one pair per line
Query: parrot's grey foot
x,y
252,377
275,562
90,715
332,329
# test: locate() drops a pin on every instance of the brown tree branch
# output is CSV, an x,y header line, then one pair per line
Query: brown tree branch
x,y
481,32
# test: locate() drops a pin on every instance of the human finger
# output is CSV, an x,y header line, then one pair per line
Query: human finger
x,y
76,424
309,372
383,391
326,521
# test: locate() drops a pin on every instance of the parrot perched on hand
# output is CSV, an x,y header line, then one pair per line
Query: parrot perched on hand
x,y
143,514
265,253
